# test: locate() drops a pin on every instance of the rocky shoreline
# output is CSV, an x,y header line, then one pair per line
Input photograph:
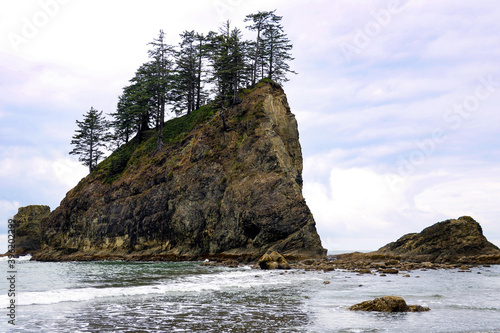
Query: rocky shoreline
x,y
366,263
356,262
451,244
362,263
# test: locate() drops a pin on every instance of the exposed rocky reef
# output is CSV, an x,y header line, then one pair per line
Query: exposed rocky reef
x,y
209,193
27,228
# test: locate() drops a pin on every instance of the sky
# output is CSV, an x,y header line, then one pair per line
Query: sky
x,y
397,102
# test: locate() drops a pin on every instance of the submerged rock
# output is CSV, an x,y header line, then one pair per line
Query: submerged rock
x,y
208,193
388,304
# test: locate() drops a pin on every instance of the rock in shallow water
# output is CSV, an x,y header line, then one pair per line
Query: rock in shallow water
x,y
388,304
274,260
27,224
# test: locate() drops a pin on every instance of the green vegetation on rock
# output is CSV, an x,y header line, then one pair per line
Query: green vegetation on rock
x,y
209,191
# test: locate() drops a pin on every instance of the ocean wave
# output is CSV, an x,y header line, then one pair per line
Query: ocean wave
x,y
21,258
472,307
222,281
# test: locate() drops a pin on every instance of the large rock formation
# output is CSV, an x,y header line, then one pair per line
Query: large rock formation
x,y
207,193
27,227
447,241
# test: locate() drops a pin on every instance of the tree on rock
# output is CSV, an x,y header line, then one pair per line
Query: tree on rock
x,y
260,23
271,51
89,138
160,80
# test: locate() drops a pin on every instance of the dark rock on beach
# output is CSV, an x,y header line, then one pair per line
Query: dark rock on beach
x,y
27,228
388,304
273,260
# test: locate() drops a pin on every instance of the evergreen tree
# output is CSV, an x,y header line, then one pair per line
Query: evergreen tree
x,y
201,54
160,80
123,123
89,138
271,51
260,23
223,59
139,100
227,57
187,71
276,51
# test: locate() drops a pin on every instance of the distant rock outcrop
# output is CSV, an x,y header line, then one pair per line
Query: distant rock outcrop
x,y
447,241
388,304
207,193
27,227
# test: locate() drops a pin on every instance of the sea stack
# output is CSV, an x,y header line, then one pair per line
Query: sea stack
x,y
27,228
209,192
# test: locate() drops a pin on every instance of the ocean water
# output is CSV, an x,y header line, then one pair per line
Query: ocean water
x,y
186,297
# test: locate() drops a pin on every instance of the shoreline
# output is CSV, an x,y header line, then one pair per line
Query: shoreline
x,y
356,262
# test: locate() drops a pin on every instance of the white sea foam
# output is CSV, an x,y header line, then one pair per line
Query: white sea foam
x,y
21,258
229,280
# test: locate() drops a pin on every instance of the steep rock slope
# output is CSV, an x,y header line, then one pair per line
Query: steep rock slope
x,y
208,192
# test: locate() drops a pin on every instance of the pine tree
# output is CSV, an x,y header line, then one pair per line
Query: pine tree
x,y
89,138
201,54
160,80
271,50
139,98
227,58
123,123
276,50
222,59
260,23
187,70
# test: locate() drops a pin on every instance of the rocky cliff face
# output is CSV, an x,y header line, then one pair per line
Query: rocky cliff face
x,y
448,241
27,224
209,192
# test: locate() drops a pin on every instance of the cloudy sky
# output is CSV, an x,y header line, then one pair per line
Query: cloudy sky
x,y
397,102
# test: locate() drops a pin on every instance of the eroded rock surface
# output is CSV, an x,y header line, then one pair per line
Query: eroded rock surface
x,y
273,260
27,224
207,193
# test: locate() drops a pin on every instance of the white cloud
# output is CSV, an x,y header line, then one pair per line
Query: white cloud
x,y
8,208
30,177
461,194
3,243
7,211
356,201
68,171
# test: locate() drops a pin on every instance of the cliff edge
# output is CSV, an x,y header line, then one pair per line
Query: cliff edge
x,y
207,193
